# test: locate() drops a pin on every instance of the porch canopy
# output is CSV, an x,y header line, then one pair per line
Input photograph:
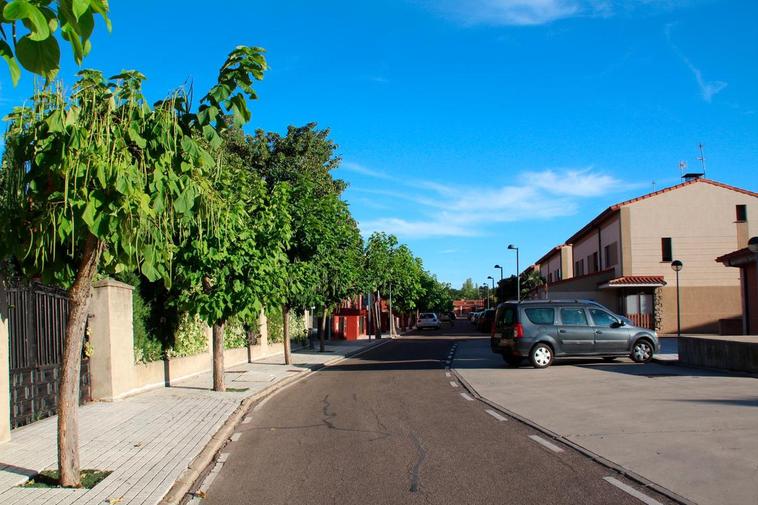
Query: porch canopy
x,y
634,281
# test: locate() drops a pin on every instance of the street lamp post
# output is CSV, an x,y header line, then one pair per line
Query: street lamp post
x,y
501,271
493,282
487,291
677,266
518,274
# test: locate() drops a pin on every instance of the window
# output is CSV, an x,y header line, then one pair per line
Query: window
x,y
579,268
592,263
611,254
602,318
573,317
550,277
666,254
541,316
557,275
742,213
505,318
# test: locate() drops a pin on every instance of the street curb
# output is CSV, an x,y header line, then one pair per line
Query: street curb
x,y
189,476
582,450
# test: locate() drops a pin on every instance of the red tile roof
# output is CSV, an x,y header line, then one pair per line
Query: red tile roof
x,y
636,280
607,213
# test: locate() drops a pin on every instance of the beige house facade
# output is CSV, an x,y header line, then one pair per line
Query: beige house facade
x,y
622,258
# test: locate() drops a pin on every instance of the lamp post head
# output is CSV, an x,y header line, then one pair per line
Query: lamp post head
x,y
511,246
490,277
497,266
752,244
677,265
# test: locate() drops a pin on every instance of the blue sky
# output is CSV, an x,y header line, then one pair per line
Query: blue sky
x,y
466,125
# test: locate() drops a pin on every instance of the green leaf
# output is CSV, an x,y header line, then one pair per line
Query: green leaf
x,y
136,138
23,10
79,7
41,58
7,54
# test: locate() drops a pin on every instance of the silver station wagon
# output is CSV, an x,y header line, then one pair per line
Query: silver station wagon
x,y
541,330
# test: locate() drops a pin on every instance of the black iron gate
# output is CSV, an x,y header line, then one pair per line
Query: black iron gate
x,y
36,328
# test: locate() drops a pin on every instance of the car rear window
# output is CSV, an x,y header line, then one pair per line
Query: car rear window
x,y
541,316
427,316
573,317
505,317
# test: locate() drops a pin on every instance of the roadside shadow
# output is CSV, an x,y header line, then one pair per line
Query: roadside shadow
x,y
655,370
18,470
744,402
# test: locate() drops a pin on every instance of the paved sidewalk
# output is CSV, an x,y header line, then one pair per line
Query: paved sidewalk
x,y
692,431
147,440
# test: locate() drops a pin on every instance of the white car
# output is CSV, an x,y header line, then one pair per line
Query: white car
x,y
428,320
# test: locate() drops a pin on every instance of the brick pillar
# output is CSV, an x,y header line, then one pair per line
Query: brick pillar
x,y
5,386
112,338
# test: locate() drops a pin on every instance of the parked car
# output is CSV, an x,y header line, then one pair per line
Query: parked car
x,y
443,317
428,320
484,321
541,330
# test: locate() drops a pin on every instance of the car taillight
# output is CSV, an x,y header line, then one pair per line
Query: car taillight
x,y
518,330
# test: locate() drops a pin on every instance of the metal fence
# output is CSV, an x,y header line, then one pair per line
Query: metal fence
x,y
37,317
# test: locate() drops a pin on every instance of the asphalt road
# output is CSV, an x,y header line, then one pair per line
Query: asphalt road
x,y
390,426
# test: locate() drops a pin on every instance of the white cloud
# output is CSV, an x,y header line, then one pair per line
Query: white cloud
x,y
415,229
466,210
708,89
360,169
582,183
536,12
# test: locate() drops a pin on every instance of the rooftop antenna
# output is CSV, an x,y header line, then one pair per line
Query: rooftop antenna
x,y
653,185
701,158
682,168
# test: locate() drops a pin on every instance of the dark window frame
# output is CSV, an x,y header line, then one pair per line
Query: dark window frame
x,y
667,249
741,211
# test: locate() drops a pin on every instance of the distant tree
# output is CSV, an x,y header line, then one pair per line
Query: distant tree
x,y
377,270
437,296
30,26
303,160
469,290
530,280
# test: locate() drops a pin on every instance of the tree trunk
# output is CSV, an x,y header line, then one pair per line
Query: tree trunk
x,y
286,331
321,331
378,308
68,392
218,357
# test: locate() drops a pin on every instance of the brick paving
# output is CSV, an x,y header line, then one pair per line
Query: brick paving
x,y
146,440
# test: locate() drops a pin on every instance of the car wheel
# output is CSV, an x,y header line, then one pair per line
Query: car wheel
x,y
512,360
642,352
541,356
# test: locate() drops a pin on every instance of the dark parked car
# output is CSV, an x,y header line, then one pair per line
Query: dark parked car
x,y
543,329
484,321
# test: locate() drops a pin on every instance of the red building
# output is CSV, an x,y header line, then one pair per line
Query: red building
x,y
463,307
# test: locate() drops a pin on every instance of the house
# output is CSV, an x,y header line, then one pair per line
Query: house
x,y
622,258
747,261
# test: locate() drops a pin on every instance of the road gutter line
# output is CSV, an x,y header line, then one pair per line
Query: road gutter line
x,y
630,490
586,452
545,443
496,415
453,383
467,397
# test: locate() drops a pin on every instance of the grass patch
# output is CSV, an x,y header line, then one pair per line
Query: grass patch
x,y
50,478
236,390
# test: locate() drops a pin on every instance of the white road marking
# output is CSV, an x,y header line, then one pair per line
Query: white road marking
x,y
223,457
630,490
447,374
496,415
247,420
467,397
236,436
454,384
545,443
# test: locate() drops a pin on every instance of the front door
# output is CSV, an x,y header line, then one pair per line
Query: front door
x,y
608,339
574,332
